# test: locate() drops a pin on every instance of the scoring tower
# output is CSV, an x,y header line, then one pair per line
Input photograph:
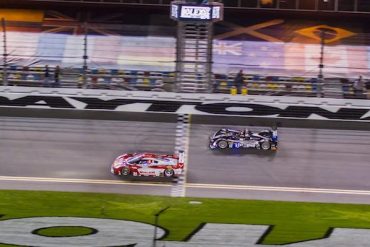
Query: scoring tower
x,y
194,43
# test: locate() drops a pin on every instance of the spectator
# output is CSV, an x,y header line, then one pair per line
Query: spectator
x,y
94,82
46,76
56,76
80,81
358,87
239,81
216,81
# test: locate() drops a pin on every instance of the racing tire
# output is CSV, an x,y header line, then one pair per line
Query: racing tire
x,y
222,144
125,171
265,145
169,173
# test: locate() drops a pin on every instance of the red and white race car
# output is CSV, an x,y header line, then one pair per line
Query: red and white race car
x,y
148,164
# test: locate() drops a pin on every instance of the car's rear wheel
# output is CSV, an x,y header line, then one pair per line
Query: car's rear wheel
x,y
169,172
222,144
265,145
125,171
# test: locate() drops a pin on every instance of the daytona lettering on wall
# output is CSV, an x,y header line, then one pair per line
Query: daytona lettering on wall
x,y
110,232
189,107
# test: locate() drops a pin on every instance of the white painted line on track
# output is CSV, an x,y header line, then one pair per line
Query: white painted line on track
x,y
182,144
186,146
189,185
279,189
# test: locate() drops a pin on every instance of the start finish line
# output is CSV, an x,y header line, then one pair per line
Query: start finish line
x,y
109,232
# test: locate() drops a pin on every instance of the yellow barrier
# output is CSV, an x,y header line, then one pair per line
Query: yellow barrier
x,y
244,91
233,91
146,81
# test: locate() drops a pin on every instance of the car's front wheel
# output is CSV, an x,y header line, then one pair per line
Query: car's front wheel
x,y
125,171
265,145
169,172
222,144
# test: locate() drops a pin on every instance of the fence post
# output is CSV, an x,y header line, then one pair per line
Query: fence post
x,y
85,57
5,54
320,76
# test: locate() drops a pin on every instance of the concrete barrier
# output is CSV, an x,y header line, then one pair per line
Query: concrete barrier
x,y
141,107
187,96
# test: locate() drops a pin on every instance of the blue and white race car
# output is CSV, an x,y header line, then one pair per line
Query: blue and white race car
x,y
231,138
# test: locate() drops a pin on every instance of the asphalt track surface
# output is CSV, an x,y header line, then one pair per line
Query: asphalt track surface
x,y
75,155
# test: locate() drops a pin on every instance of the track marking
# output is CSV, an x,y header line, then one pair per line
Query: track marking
x,y
182,144
279,189
80,181
189,185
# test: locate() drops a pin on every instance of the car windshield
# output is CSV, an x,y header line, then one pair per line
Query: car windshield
x,y
135,159
167,161
221,131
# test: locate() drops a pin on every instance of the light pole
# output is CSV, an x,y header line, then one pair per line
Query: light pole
x,y
321,65
156,219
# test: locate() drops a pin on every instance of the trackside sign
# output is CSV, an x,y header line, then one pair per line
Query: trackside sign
x,y
189,107
109,232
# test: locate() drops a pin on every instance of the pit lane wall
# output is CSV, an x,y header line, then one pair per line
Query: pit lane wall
x,y
205,108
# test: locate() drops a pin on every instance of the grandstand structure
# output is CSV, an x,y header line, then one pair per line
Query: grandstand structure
x,y
279,56
345,6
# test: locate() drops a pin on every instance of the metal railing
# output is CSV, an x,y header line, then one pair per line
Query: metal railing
x,y
95,79
164,81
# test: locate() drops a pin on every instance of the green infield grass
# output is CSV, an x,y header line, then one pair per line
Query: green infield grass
x,y
64,231
292,221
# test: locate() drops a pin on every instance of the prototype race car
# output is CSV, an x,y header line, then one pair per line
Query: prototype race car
x,y
230,138
147,164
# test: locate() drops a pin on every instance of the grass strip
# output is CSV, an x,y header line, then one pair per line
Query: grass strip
x,y
292,221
